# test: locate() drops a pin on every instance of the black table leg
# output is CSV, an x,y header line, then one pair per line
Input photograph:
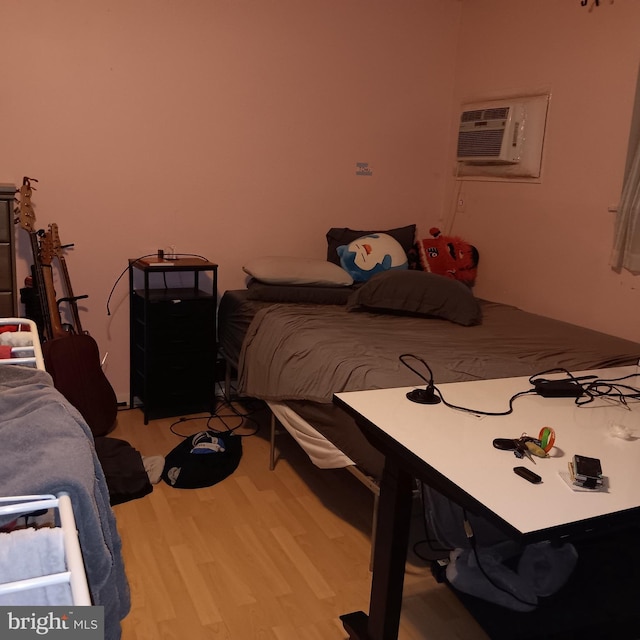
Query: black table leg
x,y
355,624
389,559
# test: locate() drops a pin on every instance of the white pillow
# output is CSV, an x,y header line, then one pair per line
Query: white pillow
x,y
297,271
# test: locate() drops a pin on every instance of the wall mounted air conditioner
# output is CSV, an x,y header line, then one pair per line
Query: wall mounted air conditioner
x,y
492,135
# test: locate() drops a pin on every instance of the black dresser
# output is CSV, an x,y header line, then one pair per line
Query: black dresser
x,y
8,288
173,346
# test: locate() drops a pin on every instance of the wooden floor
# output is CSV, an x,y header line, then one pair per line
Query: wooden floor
x,y
270,555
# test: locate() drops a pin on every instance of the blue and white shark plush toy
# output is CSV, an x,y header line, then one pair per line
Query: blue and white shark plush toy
x,y
372,254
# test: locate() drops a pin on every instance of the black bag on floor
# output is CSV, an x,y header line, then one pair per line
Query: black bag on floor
x,y
202,460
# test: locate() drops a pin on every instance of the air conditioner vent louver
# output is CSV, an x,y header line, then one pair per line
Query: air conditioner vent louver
x,y
485,144
491,135
496,114
472,116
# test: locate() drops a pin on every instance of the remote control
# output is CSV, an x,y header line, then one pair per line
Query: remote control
x,y
527,474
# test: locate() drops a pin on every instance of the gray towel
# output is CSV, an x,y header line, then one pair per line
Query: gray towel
x,y
32,553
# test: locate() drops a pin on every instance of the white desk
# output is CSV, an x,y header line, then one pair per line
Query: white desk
x,y
453,451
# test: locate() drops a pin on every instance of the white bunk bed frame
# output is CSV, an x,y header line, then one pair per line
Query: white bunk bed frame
x,y
75,575
28,355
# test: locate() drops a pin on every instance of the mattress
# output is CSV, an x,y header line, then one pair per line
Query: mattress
x,y
301,354
307,422
235,314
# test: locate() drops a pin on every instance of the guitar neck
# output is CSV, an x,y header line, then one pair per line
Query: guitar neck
x,y
77,325
58,250
45,271
40,288
57,330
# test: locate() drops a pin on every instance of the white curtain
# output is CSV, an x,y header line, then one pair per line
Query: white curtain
x,y
626,241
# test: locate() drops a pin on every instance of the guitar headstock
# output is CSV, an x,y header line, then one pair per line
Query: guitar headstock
x,y
54,239
46,247
26,215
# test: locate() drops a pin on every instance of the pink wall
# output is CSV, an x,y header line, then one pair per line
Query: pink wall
x,y
545,247
232,129
227,129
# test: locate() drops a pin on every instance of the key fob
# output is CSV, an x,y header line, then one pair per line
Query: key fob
x,y
527,474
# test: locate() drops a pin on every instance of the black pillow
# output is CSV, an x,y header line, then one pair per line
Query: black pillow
x,y
337,236
418,293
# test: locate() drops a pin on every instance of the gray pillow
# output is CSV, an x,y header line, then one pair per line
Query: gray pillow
x,y
418,293
297,271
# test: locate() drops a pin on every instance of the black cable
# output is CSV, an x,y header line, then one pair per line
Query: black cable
x,y
472,543
488,413
246,419
428,540
115,284
536,376
215,416
436,391
402,357
610,388
591,386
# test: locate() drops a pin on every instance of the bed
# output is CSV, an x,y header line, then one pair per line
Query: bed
x,y
47,450
295,353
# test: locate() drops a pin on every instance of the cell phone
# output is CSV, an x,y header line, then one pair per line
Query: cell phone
x,y
586,472
586,467
527,474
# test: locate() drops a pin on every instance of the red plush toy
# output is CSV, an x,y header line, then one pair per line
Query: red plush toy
x,y
449,256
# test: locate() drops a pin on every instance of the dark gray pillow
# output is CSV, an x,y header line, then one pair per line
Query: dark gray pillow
x,y
297,293
337,236
418,293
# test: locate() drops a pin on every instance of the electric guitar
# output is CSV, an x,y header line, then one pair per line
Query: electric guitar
x,y
26,217
72,359
44,265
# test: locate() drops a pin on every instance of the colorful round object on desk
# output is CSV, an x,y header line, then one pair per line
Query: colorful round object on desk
x,y
547,437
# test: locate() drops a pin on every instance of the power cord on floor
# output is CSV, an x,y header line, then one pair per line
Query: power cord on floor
x,y
227,409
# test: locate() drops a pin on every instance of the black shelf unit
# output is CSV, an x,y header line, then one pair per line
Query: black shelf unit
x,y
173,342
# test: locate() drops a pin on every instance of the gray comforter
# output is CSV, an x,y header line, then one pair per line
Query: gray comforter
x,y
46,447
310,352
